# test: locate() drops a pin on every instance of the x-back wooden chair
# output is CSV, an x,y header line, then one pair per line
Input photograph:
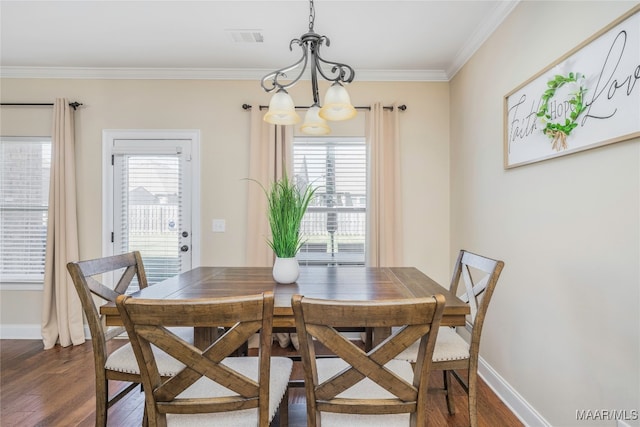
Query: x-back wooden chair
x,y
478,276
359,387
119,364
211,388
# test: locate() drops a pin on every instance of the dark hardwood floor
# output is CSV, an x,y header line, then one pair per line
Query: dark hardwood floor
x,y
56,388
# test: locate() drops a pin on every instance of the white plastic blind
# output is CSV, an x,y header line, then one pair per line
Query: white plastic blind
x,y
335,223
148,192
25,164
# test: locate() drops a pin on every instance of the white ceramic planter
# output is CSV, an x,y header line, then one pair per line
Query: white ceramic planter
x,y
286,270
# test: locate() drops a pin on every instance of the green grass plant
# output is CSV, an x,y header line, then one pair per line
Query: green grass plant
x,y
287,204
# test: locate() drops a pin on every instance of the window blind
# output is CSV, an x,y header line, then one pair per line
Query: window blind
x,y
147,201
25,164
335,223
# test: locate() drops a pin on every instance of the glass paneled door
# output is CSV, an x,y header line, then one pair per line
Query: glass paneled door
x,y
151,204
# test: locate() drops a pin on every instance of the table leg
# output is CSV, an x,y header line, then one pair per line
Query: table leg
x,y
204,336
380,334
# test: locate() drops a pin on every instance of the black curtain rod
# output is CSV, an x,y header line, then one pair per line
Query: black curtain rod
x,y
73,105
263,107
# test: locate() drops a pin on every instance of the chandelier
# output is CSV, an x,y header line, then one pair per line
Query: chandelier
x,y
337,104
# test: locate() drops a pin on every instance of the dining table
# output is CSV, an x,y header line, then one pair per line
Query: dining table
x,y
326,282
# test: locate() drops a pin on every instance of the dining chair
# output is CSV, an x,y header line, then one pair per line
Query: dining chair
x,y
452,352
119,364
211,388
359,387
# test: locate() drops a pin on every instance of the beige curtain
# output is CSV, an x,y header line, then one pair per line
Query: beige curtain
x,y
384,222
270,151
61,309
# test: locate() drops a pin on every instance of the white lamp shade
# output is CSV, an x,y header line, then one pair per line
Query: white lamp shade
x,y
337,104
282,110
314,124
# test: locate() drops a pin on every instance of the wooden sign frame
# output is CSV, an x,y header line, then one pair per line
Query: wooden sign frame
x,y
598,81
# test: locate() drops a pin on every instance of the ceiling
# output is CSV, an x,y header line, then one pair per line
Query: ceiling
x,y
381,40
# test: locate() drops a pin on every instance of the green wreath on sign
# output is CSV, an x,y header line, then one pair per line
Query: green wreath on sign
x,y
558,132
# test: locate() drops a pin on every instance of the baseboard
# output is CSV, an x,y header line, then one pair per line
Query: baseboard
x,y
28,332
20,332
511,398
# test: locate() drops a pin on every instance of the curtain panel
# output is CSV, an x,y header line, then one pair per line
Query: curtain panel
x,y
384,210
270,153
62,319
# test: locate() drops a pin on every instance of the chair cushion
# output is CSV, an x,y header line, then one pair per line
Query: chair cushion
x,y
204,387
449,346
124,360
365,389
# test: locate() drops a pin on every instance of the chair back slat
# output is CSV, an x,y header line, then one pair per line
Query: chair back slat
x,y
187,312
478,262
198,365
371,366
101,290
383,313
469,296
108,264
125,280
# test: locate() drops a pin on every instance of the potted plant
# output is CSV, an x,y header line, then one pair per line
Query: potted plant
x,y
287,204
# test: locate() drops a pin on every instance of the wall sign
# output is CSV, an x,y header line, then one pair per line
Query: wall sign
x,y
588,98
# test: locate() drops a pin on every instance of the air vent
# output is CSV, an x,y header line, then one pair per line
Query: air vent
x,y
245,36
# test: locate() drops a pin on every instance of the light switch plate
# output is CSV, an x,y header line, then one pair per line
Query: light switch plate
x,y
218,226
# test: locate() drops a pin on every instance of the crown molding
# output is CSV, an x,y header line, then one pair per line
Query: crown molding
x,y
482,33
197,74
126,73
401,75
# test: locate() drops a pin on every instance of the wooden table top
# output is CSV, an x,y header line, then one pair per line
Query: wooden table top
x,y
345,283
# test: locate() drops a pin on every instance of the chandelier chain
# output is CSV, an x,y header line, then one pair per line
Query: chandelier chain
x,y
312,15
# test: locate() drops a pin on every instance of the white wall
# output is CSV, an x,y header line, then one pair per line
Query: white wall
x,y
214,107
564,326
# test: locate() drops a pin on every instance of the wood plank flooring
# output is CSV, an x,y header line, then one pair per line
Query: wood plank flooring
x,y
56,388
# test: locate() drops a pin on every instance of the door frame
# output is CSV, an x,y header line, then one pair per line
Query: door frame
x,y
108,136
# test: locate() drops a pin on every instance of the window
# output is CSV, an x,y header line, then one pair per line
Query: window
x,y
335,223
25,163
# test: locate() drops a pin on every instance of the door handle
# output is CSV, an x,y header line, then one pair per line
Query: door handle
x,y
184,248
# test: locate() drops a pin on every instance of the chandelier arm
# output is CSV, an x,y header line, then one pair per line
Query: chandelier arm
x,y
282,72
342,72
